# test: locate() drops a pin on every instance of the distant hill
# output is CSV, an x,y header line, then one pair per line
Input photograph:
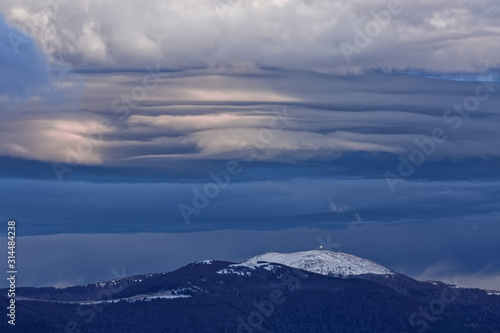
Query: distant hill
x,y
312,291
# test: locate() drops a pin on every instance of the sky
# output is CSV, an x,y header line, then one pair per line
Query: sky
x,y
148,135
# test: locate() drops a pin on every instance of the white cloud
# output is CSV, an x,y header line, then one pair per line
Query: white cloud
x,y
338,208
439,35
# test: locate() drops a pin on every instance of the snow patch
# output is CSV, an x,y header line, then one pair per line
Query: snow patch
x,y
242,268
132,299
322,262
254,265
234,271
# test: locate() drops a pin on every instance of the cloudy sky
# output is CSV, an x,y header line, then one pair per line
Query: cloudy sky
x,y
229,128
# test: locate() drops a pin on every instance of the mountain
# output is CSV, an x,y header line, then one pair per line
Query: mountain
x,y
312,291
322,262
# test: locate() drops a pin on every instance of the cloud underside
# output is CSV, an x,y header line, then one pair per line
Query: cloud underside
x,y
288,118
441,36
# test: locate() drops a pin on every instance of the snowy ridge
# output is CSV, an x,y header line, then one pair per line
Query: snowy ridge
x,y
204,262
242,268
322,262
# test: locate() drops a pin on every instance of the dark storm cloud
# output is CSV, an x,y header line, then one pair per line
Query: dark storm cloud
x,y
82,207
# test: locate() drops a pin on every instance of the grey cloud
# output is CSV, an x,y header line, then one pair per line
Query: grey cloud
x,y
441,36
282,204
285,117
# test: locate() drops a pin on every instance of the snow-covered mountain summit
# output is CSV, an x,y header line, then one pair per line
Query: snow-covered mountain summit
x,y
322,262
